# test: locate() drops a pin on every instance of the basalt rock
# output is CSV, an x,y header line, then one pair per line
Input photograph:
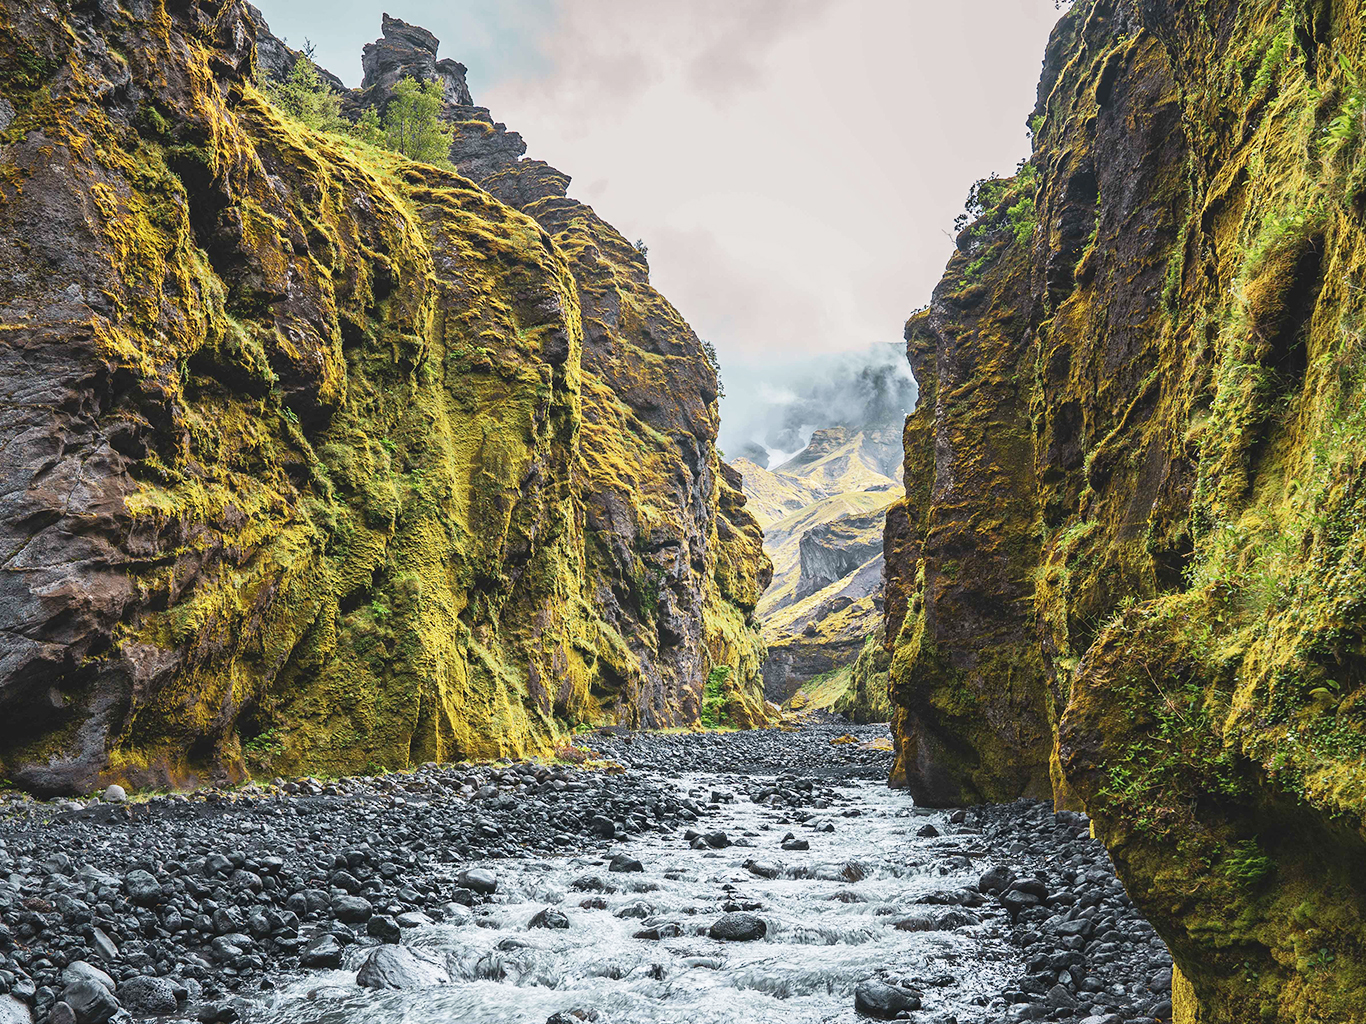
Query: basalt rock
x,y
322,461
409,51
1127,571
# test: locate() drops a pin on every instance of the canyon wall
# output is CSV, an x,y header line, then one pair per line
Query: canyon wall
x,y
1130,565
316,459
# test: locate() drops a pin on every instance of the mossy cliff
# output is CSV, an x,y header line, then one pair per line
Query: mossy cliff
x,y
1131,564
303,444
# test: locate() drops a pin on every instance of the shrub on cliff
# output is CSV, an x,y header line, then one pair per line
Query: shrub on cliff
x,y
306,97
411,123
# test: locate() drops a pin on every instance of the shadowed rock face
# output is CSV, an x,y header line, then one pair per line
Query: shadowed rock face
x,y
831,551
307,465
1127,567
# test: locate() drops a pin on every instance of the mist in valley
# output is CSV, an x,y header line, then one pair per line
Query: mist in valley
x,y
771,409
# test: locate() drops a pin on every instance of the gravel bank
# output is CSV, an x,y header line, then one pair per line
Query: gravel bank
x,y
197,906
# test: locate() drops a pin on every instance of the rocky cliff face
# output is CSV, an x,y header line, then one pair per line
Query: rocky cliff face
x,y
1129,565
313,457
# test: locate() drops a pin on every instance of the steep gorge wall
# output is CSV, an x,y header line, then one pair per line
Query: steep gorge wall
x,y
1131,562
310,459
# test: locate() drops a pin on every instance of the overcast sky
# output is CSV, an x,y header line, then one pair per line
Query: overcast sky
x,y
793,165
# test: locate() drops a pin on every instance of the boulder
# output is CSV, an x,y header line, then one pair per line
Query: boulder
x,y
881,1001
402,967
739,927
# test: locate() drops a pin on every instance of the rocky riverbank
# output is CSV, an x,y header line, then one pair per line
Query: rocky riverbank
x,y
212,905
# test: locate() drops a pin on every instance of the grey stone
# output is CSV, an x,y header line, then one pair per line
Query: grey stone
x,y
142,887
90,1001
739,927
115,795
352,909
881,1001
549,918
79,970
402,967
996,879
148,996
12,1011
763,868
1058,996
384,928
480,880
324,951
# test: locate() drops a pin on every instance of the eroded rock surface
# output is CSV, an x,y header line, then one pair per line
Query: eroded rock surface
x,y
314,458
1126,572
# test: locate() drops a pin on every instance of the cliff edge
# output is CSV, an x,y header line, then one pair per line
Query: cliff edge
x,y
317,459
1128,570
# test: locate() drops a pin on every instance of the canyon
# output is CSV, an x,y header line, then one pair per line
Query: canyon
x,y
320,461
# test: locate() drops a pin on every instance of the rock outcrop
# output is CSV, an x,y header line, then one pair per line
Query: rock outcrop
x,y
409,51
318,459
1129,566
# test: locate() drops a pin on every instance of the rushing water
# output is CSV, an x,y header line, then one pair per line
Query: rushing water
x,y
830,915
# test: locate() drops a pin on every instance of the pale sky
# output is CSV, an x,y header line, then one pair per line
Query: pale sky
x,y
793,165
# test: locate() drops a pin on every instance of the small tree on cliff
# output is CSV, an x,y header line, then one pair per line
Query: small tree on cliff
x,y
307,97
412,123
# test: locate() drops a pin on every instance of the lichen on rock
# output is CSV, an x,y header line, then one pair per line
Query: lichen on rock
x,y
1128,566
300,439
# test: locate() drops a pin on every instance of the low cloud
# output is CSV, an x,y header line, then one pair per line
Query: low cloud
x,y
776,405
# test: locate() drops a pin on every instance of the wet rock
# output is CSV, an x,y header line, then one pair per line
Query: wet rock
x,y
549,918
402,967
763,869
996,879
481,880
917,923
1058,997
591,883
352,909
882,1001
384,928
739,927
91,1002
663,930
80,970
323,952
927,832
223,1011
624,863
576,1016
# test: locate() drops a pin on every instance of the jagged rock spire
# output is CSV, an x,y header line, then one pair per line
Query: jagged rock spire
x,y
410,51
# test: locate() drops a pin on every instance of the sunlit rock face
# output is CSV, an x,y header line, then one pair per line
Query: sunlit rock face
x,y
1128,567
320,460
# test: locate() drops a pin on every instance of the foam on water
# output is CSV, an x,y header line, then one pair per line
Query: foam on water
x,y
830,913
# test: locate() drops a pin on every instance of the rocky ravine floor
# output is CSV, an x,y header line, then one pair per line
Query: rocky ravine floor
x,y
746,877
